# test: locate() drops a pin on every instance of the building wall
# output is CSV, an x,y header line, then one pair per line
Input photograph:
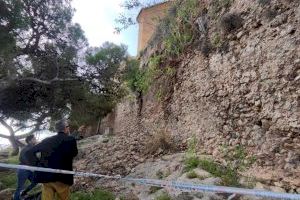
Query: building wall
x,y
148,20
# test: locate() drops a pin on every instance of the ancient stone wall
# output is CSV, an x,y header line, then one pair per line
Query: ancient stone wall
x,y
248,95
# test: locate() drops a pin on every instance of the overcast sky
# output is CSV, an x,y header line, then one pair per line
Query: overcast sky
x,y
97,19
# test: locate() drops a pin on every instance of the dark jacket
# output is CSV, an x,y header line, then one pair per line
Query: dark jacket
x,y
56,152
23,159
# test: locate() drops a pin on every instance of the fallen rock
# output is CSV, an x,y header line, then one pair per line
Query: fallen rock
x,y
277,189
202,174
260,186
212,181
184,196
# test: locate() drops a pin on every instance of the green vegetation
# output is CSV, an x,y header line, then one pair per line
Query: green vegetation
x,y
8,179
45,76
177,30
154,189
191,163
95,195
169,71
217,6
238,158
159,94
192,174
139,80
216,40
228,175
13,159
163,196
191,160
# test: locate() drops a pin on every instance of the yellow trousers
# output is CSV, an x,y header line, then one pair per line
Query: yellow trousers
x,y
58,189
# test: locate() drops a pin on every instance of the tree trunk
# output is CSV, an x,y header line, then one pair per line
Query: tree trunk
x,y
15,146
98,126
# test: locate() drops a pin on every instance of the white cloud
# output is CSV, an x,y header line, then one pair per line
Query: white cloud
x,y
97,19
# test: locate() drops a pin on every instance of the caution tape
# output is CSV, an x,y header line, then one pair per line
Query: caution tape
x,y
183,186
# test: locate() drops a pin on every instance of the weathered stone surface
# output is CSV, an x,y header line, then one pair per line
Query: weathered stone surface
x,y
277,189
212,181
202,174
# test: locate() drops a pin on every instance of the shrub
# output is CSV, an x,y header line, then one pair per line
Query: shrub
x,y
238,158
231,22
217,6
8,179
191,160
191,163
154,189
163,196
161,140
228,175
95,195
178,29
139,80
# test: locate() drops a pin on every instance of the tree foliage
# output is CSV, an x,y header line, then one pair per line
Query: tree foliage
x,y
47,70
103,85
38,56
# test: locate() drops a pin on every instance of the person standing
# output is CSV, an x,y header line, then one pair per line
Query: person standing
x,y
22,174
56,152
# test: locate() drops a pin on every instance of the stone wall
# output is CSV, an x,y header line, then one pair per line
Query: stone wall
x,y
248,95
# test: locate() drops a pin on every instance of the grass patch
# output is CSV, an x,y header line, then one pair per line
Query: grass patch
x,y
238,158
163,196
13,159
192,174
228,175
191,163
8,179
191,160
95,195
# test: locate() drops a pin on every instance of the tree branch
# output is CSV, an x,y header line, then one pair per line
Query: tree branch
x,y
18,137
10,129
49,82
36,126
4,136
